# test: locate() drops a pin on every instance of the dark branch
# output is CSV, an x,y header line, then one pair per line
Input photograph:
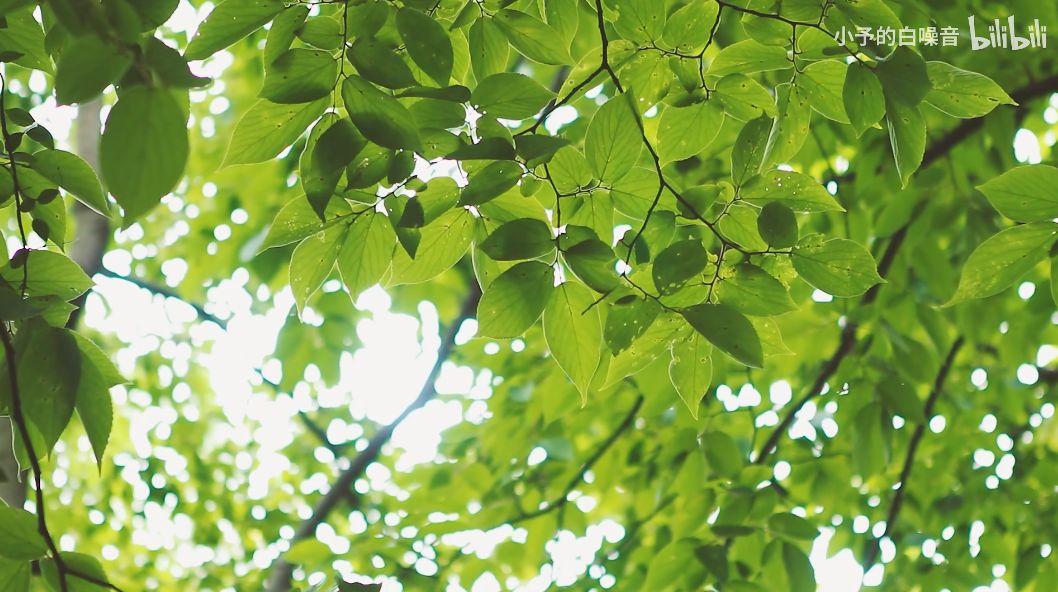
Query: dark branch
x,y
167,292
912,449
848,337
282,571
563,497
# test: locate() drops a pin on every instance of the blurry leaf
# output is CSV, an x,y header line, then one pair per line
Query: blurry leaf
x,y
19,539
88,66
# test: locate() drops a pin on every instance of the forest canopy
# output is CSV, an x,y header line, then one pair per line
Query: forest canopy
x,y
732,295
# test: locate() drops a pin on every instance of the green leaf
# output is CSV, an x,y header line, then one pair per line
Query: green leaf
x,y
171,67
283,31
229,22
627,320
14,575
747,155
594,262
22,39
961,93
79,563
49,274
904,77
722,454
427,43
792,526
296,220
510,96
379,62
443,244
685,131
749,57
300,76
489,48
380,117
1054,280
863,98
573,332
87,66
687,29
491,182
515,300
312,262
753,291
900,397
822,83
1003,259
798,569
728,330
49,371
328,155
19,539
532,37
1026,193
93,403
268,128
797,191
524,238
366,252
791,125
691,369
839,267
612,141
744,98
907,134
72,174
148,127
777,225
669,565
678,263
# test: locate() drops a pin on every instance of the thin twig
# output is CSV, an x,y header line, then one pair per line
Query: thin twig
x,y
576,480
282,570
912,449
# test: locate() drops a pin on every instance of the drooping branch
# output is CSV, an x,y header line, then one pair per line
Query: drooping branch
x,y
912,449
606,444
282,571
848,339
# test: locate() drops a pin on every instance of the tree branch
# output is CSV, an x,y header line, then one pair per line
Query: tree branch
x,y
912,449
167,292
563,498
849,338
282,571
